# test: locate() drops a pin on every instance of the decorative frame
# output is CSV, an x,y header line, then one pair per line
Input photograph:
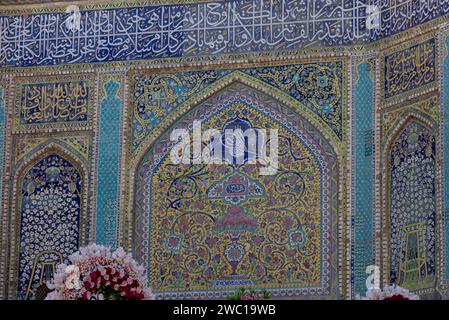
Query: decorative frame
x,y
23,167
410,116
53,137
133,159
19,128
419,89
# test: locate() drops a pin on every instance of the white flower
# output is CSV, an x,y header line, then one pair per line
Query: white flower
x,y
119,254
393,290
54,295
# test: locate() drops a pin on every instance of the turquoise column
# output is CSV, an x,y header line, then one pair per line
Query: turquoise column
x,y
362,179
108,166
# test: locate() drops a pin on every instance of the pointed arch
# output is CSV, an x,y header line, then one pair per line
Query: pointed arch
x,y
75,187
411,114
59,145
389,220
222,84
272,109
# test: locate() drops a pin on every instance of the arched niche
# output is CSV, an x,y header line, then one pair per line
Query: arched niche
x,y
48,217
411,222
280,233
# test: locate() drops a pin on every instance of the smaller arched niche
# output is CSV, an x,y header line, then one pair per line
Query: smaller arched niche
x,y
412,207
49,208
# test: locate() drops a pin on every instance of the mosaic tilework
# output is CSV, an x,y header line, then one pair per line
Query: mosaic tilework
x,y
401,15
198,33
49,220
80,143
362,175
204,28
412,208
54,102
318,86
196,242
42,103
108,170
410,68
445,113
179,30
390,118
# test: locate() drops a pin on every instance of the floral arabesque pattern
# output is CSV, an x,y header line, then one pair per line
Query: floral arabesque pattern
x,y
49,227
412,207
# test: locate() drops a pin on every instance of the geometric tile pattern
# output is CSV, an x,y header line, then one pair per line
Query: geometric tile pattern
x,y
390,118
79,143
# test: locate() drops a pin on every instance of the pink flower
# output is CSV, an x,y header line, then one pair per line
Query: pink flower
x,y
100,266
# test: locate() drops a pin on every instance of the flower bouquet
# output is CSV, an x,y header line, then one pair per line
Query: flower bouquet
x,y
245,294
390,293
97,273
